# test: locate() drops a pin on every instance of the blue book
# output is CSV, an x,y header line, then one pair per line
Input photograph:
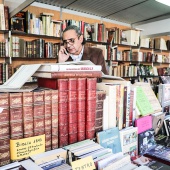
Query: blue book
x,y
110,138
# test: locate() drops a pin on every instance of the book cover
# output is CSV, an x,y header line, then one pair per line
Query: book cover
x,y
145,141
160,153
68,74
143,123
129,141
167,124
111,92
110,139
57,68
157,121
142,102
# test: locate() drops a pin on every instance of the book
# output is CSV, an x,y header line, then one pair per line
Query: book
x,y
150,95
110,138
167,124
129,141
111,92
145,141
159,153
57,68
143,123
69,74
164,95
49,156
157,121
142,102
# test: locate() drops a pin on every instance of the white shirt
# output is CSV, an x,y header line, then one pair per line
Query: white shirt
x,y
77,57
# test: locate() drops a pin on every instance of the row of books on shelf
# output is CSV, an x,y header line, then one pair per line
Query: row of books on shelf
x,y
131,55
134,70
37,48
157,43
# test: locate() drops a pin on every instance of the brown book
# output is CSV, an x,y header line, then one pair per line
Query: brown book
x,y
6,14
70,74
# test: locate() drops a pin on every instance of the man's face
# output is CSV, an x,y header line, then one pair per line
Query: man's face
x,y
72,42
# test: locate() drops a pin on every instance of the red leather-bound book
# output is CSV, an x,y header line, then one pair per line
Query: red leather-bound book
x,y
63,130
69,74
81,105
90,107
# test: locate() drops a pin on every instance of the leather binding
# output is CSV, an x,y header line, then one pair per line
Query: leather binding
x,y
90,107
15,99
5,156
100,97
28,112
63,130
4,101
27,98
16,129
4,118
55,118
16,114
81,105
28,126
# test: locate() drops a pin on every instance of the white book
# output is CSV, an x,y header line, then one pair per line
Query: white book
x,y
30,165
105,112
57,68
20,77
111,93
104,162
118,163
49,156
11,165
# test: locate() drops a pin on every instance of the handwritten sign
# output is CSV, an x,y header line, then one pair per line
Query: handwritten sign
x,y
83,164
23,148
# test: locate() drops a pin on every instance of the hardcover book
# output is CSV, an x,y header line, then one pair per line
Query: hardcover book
x,y
160,153
145,141
167,125
129,141
110,139
157,121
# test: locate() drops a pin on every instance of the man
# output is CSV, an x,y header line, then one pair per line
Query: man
x,y
73,48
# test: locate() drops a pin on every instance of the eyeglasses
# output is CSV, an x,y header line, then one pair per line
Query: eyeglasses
x,y
70,41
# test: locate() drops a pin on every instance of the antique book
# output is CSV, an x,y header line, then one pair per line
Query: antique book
x,y
68,74
110,139
100,97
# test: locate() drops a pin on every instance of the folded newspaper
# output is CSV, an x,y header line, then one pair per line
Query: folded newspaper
x,y
16,82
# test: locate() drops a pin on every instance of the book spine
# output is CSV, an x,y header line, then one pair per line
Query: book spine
x,y
72,110
90,107
55,119
63,111
81,105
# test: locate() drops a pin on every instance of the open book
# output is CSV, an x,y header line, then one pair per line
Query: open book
x,y
22,75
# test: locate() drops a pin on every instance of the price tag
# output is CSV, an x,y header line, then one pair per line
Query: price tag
x,y
26,147
83,164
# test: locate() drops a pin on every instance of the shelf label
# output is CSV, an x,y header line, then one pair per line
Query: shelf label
x,y
23,148
83,164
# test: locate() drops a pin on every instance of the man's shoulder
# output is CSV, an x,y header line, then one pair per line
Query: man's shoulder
x,y
90,49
